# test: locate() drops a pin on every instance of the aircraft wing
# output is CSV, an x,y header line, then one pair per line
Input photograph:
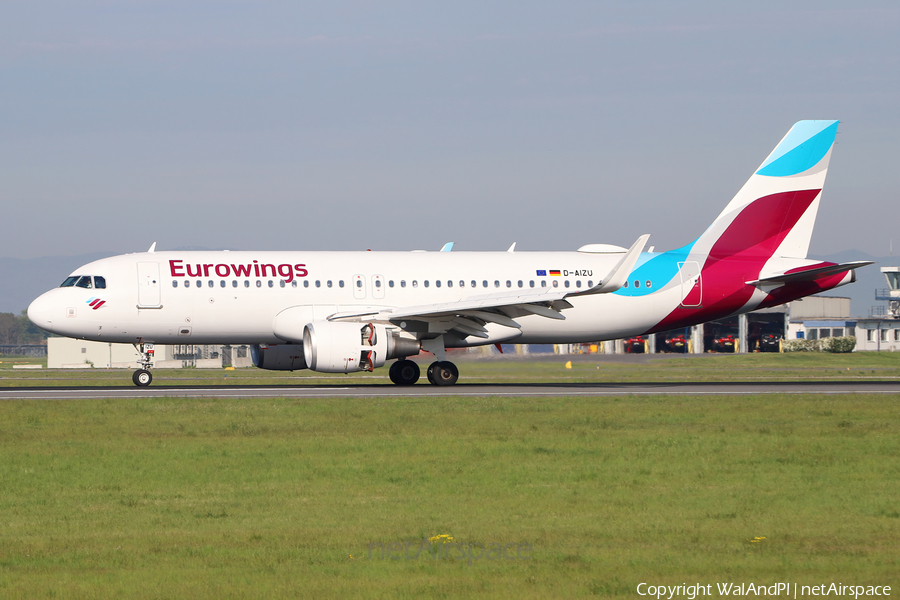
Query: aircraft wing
x,y
809,273
469,315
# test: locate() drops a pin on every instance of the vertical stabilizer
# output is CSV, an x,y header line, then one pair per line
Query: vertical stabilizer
x,y
774,213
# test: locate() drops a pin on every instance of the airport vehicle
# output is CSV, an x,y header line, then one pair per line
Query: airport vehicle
x,y
677,343
724,343
353,311
769,342
635,345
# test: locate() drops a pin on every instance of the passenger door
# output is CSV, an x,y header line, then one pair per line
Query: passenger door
x,y
148,285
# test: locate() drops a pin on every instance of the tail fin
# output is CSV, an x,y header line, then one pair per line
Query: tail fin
x,y
774,213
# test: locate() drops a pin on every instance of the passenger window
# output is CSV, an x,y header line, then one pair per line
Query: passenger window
x,y
508,283
99,282
281,283
359,283
484,283
637,283
473,283
187,283
531,283
306,283
625,285
578,283
647,283
258,283
402,283
211,284
567,283
590,283
426,283
341,283
318,283
174,283
543,283
234,283
415,283
377,283
70,281
271,283
222,283
521,284
449,283
391,283
555,283
437,283
328,283
246,283
294,283
496,283
85,282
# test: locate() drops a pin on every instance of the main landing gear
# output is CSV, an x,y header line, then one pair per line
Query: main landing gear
x,y
142,376
406,372
443,372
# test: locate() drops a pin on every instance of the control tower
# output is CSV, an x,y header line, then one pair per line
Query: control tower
x,y
892,294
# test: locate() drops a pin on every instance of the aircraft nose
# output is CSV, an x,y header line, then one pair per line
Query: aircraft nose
x,y
40,312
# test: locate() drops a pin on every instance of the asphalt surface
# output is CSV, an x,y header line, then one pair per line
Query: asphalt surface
x,y
422,389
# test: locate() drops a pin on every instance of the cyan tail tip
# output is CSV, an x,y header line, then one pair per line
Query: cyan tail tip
x,y
804,146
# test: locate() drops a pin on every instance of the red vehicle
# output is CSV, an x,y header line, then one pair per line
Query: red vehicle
x,y
635,345
725,343
677,343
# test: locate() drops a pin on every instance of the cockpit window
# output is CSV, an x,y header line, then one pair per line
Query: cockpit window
x,y
99,282
70,281
85,282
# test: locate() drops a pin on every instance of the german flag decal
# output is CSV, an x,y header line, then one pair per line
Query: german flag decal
x,y
554,273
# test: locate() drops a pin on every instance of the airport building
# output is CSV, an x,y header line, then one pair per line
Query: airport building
x,y
68,353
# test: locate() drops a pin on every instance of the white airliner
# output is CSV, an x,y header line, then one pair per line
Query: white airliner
x,y
340,312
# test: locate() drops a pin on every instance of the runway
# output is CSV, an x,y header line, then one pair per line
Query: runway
x,y
459,390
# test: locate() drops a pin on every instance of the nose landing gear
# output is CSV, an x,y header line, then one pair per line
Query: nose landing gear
x,y
142,376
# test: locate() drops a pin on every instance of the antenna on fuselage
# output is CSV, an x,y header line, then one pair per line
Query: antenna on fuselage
x,y
152,247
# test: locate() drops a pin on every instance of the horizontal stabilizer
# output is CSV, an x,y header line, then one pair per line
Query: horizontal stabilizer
x,y
810,273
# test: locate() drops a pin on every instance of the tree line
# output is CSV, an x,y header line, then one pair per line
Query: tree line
x,y
17,329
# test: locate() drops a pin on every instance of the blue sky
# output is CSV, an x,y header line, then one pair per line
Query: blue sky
x,y
403,125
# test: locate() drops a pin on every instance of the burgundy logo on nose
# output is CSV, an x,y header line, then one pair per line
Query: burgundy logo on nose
x,y
95,303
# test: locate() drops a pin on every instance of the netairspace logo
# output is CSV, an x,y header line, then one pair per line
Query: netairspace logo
x,y
789,590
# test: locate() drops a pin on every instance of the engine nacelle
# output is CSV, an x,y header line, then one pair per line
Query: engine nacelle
x,y
339,347
283,357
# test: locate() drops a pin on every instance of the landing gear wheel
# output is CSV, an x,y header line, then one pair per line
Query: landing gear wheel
x,y
404,372
142,378
443,373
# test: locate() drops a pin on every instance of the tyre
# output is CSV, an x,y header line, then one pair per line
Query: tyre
x,y
142,378
443,373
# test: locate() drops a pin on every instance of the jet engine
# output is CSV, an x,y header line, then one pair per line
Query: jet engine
x,y
283,357
340,347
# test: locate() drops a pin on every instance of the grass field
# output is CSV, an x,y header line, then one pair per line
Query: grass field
x,y
512,369
167,498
